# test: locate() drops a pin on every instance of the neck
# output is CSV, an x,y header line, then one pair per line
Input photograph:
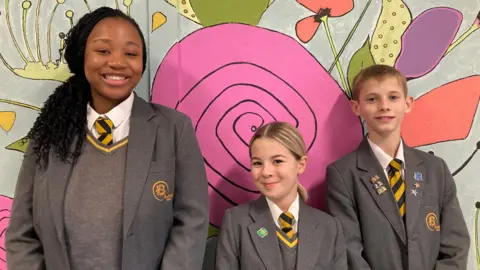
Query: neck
x,y
103,105
389,144
102,108
286,202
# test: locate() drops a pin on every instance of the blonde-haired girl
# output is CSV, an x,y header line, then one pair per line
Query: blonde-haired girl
x,y
279,230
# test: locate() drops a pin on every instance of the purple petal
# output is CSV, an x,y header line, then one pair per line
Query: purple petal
x,y
426,40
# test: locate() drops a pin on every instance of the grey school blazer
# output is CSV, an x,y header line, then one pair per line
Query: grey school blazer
x,y
168,234
435,235
320,240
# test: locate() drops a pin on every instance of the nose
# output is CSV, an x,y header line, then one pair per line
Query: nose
x,y
267,170
384,104
117,60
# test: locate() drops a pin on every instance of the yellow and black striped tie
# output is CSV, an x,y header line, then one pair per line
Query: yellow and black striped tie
x,y
286,220
397,184
104,129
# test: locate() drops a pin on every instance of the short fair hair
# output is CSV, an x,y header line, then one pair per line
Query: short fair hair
x,y
377,72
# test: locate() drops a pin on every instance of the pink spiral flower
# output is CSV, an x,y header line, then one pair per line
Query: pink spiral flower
x,y
5,208
231,79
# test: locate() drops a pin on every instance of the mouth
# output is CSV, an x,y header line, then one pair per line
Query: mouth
x,y
115,79
384,118
269,185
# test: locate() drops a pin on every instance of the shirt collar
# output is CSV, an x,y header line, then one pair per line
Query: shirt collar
x,y
118,114
276,211
385,158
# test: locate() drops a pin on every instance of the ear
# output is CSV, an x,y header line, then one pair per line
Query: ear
x,y
355,107
302,164
409,104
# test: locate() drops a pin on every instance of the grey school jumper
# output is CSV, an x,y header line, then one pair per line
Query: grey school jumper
x,y
93,206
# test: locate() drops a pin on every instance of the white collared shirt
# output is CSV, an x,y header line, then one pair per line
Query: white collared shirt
x,y
276,212
120,116
385,158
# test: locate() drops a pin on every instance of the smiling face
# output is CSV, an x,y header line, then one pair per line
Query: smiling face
x,y
275,169
113,62
383,104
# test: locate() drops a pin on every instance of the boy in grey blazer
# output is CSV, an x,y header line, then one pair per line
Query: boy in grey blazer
x,y
397,205
278,230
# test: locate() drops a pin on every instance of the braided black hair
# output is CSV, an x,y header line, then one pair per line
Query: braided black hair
x,y
63,116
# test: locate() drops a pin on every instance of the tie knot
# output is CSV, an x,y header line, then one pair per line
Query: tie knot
x,y
103,125
395,164
286,220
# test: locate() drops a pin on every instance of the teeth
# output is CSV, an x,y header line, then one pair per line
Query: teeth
x,y
115,78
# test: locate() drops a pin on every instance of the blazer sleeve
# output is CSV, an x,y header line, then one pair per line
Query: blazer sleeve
x,y
341,206
186,246
227,252
454,237
23,246
340,259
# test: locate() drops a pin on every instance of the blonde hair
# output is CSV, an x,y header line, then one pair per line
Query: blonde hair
x,y
288,136
377,72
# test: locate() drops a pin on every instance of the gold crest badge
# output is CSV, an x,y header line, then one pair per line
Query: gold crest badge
x,y
160,191
432,222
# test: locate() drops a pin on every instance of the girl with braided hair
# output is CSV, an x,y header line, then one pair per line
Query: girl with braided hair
x,y
109,181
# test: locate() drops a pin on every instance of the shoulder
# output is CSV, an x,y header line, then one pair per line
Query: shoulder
x,y
171,121
239,216
345,162
240,212
322,218
169,114
429,160
344,167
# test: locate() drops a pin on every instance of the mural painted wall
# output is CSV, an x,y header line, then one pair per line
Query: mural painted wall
x,y
234,65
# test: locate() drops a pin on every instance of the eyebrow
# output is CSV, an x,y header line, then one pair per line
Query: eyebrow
x,y
108,41
395,92
275,156
377,94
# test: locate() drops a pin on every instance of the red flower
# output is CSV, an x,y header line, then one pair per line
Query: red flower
x,y
307,27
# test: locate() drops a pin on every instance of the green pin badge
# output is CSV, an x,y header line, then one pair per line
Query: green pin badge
x,y
262,232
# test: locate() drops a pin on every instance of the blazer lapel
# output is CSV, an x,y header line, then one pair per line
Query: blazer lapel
x,y
266,245
141,143
309,239
58,176
367,162
414,183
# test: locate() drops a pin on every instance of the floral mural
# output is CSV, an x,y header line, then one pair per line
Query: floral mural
x,y
233,66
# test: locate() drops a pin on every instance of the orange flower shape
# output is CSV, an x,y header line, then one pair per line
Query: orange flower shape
x,y
307,27
443,114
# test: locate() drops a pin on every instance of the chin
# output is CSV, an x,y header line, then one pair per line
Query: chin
x,y
385,132
274,196
116,94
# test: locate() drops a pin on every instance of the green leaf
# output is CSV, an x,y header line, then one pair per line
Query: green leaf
x,y
19,145
213,231
361,59
213,12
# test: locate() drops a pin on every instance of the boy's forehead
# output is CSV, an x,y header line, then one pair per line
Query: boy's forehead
x,y
381,85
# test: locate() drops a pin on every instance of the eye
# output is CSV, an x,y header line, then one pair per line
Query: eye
x,y
104,52
256,163
370,99
394,97
277,161
131,54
